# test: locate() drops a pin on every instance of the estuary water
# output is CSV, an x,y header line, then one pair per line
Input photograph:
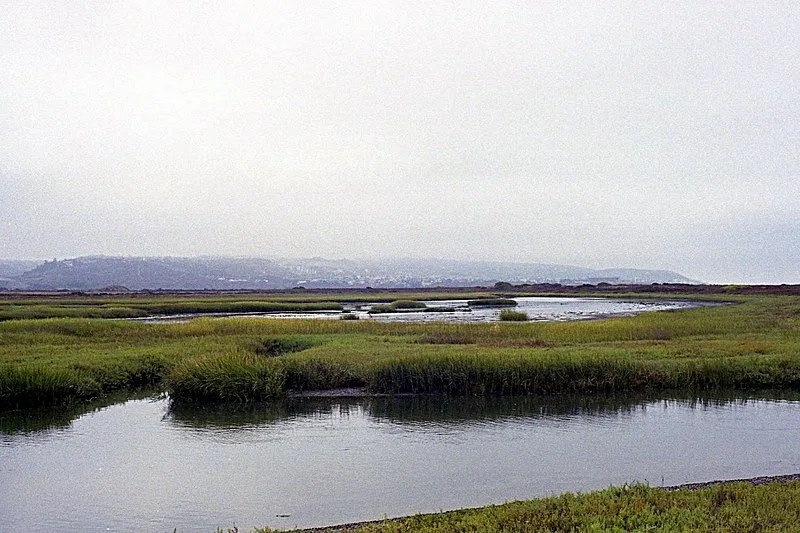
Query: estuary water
x,y
538,308
144,465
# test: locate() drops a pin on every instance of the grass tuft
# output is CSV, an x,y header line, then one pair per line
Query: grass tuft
x,y
397,306
236,376
40,385
492,302
274,347
507,315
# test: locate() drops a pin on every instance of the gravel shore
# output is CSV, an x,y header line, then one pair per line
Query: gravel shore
x,y
753,480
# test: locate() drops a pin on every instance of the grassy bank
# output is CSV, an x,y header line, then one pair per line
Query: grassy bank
x,y
139,309
724,507
56,305
753,345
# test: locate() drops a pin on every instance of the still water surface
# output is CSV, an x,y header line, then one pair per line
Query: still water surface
x,y
140,465
538,308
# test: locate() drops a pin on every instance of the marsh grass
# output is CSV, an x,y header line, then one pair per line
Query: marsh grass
x,y
566,371
137,306
241,377
492,302
755,344
143,307
277,346
397,306
194,307
236,376
407,304
22,312
40,385
507,315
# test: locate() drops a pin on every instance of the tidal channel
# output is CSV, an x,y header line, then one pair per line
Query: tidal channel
x,y
147,466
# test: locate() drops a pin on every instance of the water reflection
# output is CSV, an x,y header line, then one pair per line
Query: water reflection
x,y
419,410
425,410
308,462
39,421
538,308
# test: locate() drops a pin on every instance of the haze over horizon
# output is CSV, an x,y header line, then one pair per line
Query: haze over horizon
x,y
614,135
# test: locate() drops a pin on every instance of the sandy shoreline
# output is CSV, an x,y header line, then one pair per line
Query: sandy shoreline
x,y
761,480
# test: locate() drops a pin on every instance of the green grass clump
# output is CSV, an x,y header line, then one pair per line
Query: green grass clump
x,y
492,302
241,377
507,315
236,376
731,507
39,385
273,347
321,373
398,306
407,304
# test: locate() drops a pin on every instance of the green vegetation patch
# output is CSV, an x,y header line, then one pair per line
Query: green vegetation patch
x,y
142,307
751,345
37,311
41,385
407,304
398,306
492,302
507,315
194,307
236,376
276,346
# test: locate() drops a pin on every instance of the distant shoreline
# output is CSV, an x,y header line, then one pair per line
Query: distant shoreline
x,y
601,289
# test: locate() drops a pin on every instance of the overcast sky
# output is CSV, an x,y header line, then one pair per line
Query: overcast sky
x,y
624,134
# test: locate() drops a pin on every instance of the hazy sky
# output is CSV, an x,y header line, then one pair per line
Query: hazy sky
x,y
635,134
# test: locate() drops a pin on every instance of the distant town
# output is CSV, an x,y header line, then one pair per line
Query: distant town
x,y
240,273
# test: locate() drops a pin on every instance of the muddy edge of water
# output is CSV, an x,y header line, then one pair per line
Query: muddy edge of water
x,y
763,480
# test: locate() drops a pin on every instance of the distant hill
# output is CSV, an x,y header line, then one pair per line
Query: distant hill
x,y
231,273
10,270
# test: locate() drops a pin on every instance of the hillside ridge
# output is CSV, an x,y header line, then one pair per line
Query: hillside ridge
x,y
234,273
